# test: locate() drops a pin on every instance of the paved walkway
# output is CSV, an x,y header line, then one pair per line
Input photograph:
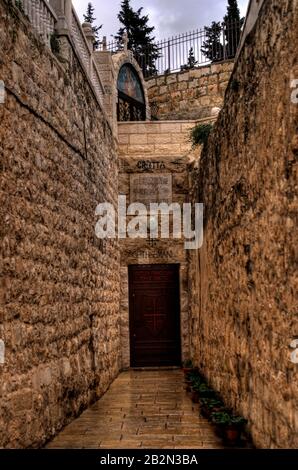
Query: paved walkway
x,y
142,409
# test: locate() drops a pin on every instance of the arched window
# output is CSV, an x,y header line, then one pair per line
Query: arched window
x,y
131,100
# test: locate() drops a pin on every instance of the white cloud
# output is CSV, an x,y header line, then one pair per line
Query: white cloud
x,y
170,17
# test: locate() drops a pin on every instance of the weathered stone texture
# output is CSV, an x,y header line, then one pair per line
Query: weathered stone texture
x,y
144,154
190,94
59,284
244,311
157,139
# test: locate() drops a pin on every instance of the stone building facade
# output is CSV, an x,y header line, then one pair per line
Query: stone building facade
x,y
68,299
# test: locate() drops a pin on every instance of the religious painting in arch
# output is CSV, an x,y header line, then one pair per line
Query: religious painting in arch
x,y
131,100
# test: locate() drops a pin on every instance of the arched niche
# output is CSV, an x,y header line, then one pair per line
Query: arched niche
x,y
126,59
131,105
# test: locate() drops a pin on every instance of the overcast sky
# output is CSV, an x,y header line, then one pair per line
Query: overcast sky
x,y
170,17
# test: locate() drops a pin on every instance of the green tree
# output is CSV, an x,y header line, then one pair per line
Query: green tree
x,y
90,18
191,61
212,47
233,24
140,39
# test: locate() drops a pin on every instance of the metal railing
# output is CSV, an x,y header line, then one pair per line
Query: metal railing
x,y
85,52
41,15
44,19
188,50
80,40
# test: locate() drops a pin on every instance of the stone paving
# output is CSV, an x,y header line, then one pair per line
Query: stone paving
x,y
142,409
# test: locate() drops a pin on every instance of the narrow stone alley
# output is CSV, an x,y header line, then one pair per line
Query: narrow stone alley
x,y
148,207
142,409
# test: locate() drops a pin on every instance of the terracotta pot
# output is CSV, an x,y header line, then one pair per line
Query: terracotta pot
x,y
195,397
232,435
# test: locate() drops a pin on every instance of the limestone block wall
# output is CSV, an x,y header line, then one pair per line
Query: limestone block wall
x,y
190,94
59,289
152,148
243,280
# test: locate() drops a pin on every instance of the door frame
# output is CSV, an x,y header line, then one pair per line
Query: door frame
x,y
130,306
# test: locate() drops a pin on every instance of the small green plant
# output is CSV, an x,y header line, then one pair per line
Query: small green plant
x,y
19,5
194,376
191,61
200,133
196,385
202,387
211,403
224,418
221,418
204,390
188,364
55,44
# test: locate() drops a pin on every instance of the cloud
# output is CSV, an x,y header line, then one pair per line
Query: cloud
x,y
170,17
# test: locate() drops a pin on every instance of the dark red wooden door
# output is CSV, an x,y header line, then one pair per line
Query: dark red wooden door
x,y
154,315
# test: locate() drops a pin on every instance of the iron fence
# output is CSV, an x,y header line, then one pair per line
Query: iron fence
x,y
185,51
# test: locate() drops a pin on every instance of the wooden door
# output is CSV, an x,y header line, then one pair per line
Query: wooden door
x,y
154,315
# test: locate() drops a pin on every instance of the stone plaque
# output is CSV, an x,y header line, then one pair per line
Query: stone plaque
x,y
151,188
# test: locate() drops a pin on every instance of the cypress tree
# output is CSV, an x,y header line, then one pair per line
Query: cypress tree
x,y
90,18
233,24
212,47
140,39
191,61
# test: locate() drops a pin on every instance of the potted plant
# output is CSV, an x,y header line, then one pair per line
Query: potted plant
x,y
195,396
205,391
191,378
228,426
188,385
196,381
210,405
187,367
220,419
234,430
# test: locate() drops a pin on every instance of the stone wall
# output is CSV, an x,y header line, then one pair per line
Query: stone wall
x,y
59,288
243,308
190,94
153,148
